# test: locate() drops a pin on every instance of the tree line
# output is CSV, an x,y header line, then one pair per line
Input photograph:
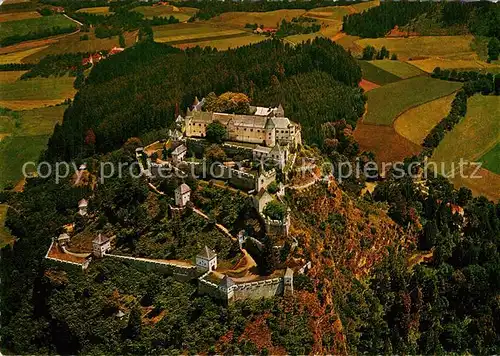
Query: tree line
x,y
481,18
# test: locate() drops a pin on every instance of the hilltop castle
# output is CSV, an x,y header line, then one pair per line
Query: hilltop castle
x,y
264,126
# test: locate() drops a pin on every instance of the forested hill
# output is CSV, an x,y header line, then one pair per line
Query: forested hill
x,y
138,90
480,18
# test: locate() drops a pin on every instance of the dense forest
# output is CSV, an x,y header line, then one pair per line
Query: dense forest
x,y
135,91
481,18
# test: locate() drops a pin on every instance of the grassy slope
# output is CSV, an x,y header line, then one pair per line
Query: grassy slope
x,y
26,141
377,75
417,122
475,135
400,69
24,27
27,94
388,102
491,159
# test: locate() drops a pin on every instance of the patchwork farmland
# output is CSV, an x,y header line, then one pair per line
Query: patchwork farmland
x,y
472,139
388,102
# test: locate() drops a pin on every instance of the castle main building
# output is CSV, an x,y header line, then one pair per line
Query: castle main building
x,y
266,126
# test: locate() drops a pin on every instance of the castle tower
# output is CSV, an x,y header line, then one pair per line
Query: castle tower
x,y
226,286
288,281
270,130
101,245
206,260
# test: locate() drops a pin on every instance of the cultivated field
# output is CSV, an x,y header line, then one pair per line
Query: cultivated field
x,y
36,92
193,32
473,139
400,69
222,43
491,159
16,16
423,47
268,19
23,27
386,143
11,77
329,12
23,141
376,74
100,10
388,102
475,135
73,44
429,64
180,13
416,123
19,56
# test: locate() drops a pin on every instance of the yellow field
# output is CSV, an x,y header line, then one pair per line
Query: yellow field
x,y
226,43
417,122
100,10
11,76
191,32
180,13
362,6
429,46
15,16
18,57
329,12
428,65
268,19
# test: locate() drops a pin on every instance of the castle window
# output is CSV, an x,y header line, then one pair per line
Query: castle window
x,y
251,130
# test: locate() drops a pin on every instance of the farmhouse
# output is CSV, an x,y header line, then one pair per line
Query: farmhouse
x,y
266,126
